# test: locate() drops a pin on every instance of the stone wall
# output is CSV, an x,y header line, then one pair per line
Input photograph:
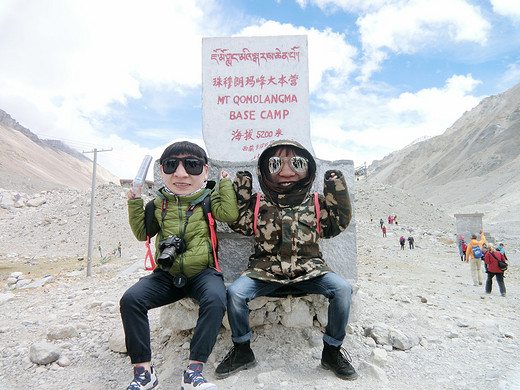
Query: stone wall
x,y
468,224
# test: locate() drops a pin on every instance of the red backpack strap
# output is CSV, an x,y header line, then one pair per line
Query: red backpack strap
x,y
317,207
206,207
257,207
213,237
148,256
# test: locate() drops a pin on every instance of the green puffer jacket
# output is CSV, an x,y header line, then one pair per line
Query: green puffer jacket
x,y
199,253
286,248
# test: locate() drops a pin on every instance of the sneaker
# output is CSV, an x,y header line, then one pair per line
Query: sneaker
x,y
143,379
240,357
192,379
338,360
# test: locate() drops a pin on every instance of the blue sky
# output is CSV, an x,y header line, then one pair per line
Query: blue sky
x,y
126,74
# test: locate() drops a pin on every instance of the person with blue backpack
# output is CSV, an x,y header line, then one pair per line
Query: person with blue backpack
x,y
474,257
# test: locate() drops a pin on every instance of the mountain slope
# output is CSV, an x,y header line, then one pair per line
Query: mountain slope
x,y
472,167
28,163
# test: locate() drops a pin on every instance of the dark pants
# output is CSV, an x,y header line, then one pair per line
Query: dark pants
x,y
156,290
500,281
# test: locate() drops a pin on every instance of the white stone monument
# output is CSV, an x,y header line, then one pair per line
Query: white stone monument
x,y
255,91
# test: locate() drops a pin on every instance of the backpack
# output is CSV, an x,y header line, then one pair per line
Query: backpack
x,y
477,252
206,208
501,263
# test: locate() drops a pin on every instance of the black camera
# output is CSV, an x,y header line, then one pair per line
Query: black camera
x,y
170,249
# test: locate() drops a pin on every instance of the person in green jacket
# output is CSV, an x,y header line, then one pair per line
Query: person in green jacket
x,y
287,222
186,266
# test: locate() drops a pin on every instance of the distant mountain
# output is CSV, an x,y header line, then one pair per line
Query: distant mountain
x,y
474,166
28,163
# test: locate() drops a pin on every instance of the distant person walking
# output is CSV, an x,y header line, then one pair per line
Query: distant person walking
x,y
411,242
395,219
491,259
502,250
462,248
381,222
474,256
402,241
484,252
384,231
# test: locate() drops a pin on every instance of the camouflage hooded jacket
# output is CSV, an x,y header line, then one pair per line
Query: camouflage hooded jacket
x,y
286,248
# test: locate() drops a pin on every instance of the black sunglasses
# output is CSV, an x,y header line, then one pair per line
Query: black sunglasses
x,y
192,165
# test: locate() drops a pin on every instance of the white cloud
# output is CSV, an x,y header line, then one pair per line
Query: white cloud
x,y
427,103
328,51
510,8
361,125
88,54
345,5
65,63
511,76
412,26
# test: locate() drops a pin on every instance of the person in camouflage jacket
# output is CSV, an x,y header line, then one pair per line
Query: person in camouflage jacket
x,y
286,228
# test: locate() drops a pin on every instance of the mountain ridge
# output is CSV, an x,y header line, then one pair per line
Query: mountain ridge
x,y
28,163
473,166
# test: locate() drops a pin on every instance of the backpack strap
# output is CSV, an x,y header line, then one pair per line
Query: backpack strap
x,y
148,219
257,207
206,207
316,207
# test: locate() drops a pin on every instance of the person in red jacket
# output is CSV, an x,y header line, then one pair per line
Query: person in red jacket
x,y
491,259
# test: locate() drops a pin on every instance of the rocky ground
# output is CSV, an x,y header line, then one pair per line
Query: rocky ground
x,y
420,322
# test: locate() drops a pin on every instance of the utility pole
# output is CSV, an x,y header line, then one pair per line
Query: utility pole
x,y
92,198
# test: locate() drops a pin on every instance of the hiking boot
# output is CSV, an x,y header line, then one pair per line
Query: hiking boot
x,y
338,360
192,379
143,379
239,357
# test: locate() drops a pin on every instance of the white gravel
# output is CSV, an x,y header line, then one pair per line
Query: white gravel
x,y
463,338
